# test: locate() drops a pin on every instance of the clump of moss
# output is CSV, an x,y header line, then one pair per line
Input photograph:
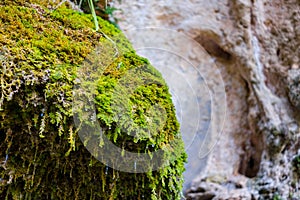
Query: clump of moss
x,y
296,165
41,54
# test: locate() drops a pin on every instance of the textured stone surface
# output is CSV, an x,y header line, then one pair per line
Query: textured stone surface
x,y
255,45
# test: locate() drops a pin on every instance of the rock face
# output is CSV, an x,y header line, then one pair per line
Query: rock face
x,y
255,45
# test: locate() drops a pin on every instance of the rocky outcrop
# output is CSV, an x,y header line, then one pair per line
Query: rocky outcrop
x,y
255,45
78,108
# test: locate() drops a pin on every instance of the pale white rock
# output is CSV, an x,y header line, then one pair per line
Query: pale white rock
x,y
246,56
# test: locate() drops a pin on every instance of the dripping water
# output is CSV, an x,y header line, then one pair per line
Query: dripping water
x,y
135,165
106,170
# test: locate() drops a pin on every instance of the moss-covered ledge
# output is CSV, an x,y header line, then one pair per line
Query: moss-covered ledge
x,y
41,154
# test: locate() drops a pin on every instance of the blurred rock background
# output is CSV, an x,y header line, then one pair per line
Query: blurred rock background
x,y
255,46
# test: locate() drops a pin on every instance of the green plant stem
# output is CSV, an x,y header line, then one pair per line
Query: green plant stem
x,y
91,5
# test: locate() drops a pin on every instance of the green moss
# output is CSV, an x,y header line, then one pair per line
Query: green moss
x,y
296,166
43,158
277,197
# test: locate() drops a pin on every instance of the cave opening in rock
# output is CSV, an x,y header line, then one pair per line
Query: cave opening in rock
x,y
251,157
212,47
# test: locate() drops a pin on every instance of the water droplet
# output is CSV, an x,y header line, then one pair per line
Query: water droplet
x,y
134,165
119,65
106,170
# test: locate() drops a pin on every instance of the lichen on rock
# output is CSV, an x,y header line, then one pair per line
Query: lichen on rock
x,y
293,85
41,55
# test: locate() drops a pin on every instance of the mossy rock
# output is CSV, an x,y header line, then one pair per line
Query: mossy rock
x,y
42,54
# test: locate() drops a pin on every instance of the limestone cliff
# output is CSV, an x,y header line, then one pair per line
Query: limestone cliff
x,y
255,45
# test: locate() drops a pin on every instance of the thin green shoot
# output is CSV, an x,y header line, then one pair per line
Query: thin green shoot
x,y
91,5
